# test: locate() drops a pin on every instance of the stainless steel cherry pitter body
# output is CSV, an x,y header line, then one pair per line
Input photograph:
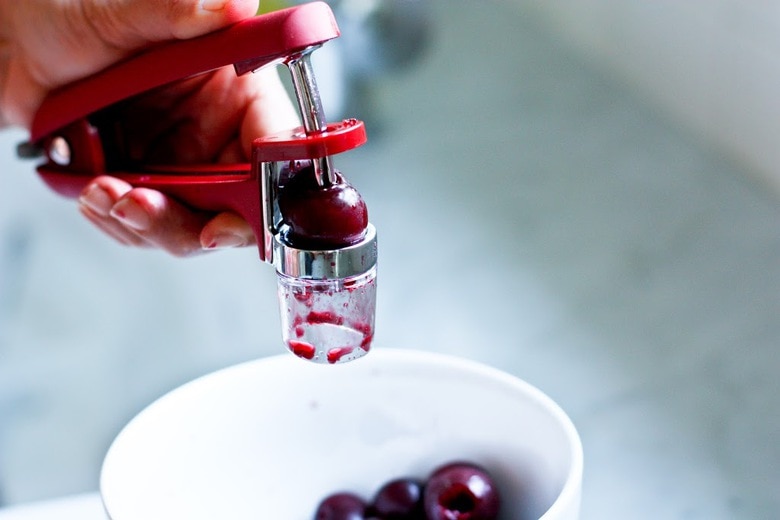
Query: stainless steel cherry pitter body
x,y
327,297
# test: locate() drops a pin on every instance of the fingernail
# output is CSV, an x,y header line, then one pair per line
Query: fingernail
x,y
129,213
97,199
226,240
213,5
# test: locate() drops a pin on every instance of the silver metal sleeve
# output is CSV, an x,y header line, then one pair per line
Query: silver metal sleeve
x,y
347,262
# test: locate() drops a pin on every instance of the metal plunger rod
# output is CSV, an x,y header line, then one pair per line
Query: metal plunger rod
x,y
310,107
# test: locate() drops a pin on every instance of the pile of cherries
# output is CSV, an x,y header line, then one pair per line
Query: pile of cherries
x,y
454,491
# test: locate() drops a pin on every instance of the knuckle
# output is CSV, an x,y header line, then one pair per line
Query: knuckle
x,y
105,20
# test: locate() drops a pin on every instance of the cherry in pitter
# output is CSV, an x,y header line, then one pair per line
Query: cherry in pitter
x,y
318,216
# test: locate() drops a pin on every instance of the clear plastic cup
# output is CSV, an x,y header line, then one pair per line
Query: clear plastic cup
x,y
328,321
327,299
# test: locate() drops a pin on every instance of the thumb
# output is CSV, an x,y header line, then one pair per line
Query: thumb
x,y
129,24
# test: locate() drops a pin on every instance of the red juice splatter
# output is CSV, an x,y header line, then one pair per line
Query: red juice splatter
x,y
363,328
304,296
316,317
368,334
302,349
335,354
297,325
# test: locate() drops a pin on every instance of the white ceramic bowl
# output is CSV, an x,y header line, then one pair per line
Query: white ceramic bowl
x,y
269,439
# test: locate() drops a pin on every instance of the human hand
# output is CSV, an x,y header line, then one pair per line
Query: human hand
x,y
210,118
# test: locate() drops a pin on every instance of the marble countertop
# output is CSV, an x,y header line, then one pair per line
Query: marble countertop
x,y
533,214
83,506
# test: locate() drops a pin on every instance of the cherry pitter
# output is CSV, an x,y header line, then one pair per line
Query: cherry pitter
x,y
310,223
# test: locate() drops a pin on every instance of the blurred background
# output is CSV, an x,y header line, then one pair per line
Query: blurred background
x,y
583,193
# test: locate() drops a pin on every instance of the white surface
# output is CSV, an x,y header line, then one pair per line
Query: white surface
x,y
271,438
532,215
87,506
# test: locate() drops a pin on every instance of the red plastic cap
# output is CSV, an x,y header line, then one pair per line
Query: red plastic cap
x,y
295,144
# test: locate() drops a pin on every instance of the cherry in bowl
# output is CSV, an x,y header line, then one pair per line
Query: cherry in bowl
x,y
461,491
458,490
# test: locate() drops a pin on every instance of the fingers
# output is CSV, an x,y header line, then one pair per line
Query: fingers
x,y
212,117
96,202
226,230
188,122
146,218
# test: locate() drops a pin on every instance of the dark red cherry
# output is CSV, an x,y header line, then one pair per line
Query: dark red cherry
x,y
399,499
461,491
320,217
341,506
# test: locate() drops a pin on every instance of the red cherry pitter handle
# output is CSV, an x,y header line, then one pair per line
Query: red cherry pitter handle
x,y
74,129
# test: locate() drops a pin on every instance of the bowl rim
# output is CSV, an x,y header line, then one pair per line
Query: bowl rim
x,y
568,497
